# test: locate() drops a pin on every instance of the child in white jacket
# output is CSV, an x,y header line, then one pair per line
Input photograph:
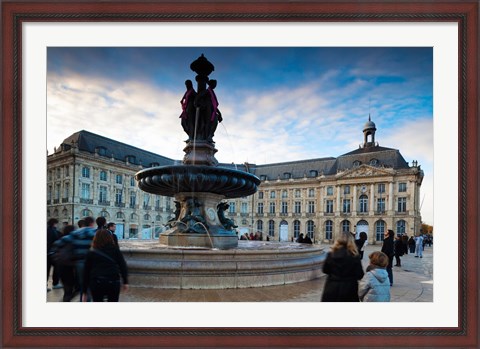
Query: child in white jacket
x,y
375,285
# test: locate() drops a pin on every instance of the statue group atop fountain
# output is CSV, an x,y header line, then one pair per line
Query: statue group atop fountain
x,y
200,114
199,185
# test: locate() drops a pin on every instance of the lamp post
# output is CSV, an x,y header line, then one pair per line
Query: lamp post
x,y
153,230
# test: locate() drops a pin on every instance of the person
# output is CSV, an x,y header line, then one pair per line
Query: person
x,y
343,268
52,235
361,242
307,240
67,273
104,263
375,285
188,110
405,243
80,240
398,250
388,249
411,244
300,238
101,222
419,246
81,223
111,227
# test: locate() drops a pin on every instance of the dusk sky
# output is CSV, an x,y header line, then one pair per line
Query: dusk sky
x,y
278,104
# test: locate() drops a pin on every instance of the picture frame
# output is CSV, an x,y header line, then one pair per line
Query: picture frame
x,y
15,13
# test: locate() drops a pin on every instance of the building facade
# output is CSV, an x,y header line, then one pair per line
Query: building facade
x,y
370,189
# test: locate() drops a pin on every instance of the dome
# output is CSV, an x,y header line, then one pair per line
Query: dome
x,y
369,125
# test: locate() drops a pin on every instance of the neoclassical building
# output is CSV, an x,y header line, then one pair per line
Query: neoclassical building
x,y
369,189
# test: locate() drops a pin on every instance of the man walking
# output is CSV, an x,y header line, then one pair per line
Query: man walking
x,y
419,246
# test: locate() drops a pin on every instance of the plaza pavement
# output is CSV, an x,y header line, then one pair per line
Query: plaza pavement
x,y
412,282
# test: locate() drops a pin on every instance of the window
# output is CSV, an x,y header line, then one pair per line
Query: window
x,y
402,205
134,217
131,159
329,206
271,228
298,207
272,207
118,196
86,213
146,200
66,190
231,207
59,173
380,230
260,208
272,194
356,163
311,207
102,193
101,151
296,228
260,194
363,203
346,189
133,199
154,164
85,172
402,187
119,179
284,207
168,204
132,181
328,230
381,205
49,193
104,214
374,162
329,190
146,217
120,215
311,193
284,194
298,193
287,175
260,226
346,226
244,207
381,188
401,227
346,206
313,173
310,229
57,191
263,177
67,171
85,191
157,201
133,233
103,175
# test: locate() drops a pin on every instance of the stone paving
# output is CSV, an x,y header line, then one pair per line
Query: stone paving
x,y
412,282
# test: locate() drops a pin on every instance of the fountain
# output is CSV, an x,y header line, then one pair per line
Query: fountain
x,y
201,247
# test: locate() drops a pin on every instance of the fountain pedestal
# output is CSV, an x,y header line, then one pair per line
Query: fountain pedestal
x,y
200,153
211,232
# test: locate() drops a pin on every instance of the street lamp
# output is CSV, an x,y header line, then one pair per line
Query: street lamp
x,y
153,230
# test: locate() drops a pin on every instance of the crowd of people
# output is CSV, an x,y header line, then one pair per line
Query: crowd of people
x,y
348,282
86,260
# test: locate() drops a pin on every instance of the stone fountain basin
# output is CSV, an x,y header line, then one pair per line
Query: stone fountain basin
x,y
170,180
251,264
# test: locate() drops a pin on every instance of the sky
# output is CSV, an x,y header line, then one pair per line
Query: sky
x,y
278,103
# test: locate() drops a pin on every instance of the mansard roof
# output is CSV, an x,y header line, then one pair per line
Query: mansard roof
x,y
91,142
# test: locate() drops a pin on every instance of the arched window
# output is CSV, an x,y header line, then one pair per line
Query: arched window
x,y
271,228
356,163
120,215
158,218
296,228
363,203
345,226
380,230
104,214
101,151
260,226
328,230
134,217
64,212
401,224
310,229
374,162
146,217
85,213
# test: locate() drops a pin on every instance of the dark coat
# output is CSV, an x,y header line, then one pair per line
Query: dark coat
x,y
387,247
398,248
344,271
97,265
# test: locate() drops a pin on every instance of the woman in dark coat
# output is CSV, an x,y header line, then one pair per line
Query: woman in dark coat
x,y
411,244
343,268
388,249
104,264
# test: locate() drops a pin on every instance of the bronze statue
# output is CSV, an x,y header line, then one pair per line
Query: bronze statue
x,y
193,219
188,110
227,223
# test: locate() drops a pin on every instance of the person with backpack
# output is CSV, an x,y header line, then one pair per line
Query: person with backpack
x,y
73,248
52,235
104,264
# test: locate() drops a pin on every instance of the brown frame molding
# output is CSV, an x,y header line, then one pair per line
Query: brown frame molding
x,y
16,12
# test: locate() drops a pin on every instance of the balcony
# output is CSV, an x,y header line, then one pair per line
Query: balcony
x,y
329,214
377,213
243,214
146,207
271,214
284,214
159,209
86,201
104,203
64,200
119,204
133,206
311,214
56,201
401,213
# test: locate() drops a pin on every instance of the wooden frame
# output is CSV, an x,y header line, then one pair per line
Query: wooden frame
x,y
14,13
